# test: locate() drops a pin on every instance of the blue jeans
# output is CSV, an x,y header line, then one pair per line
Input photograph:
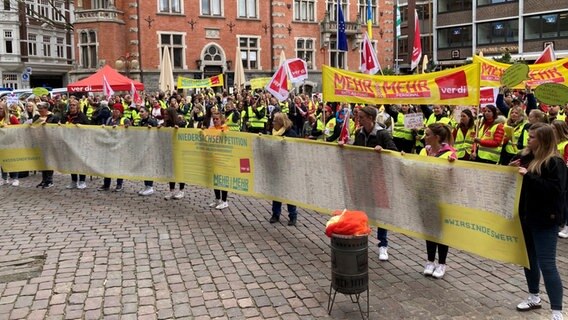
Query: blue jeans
x,y
541,249
277,209
382,236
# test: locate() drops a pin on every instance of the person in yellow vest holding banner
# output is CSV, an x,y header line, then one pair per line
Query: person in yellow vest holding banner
x,y
256,116
130,111
316,128
403,137
561,134
489,137
117,119
513,130
463,134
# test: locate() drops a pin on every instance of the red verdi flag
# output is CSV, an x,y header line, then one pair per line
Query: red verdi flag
x,y
369,61
278,85
547,55
135,95
297,69
107,89
417,45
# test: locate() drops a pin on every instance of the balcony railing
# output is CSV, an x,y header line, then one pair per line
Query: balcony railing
x,y
351,28
97,15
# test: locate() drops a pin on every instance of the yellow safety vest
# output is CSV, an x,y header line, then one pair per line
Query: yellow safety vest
x,y
329,127
511,146
254,121
399,131
90,111
463,143
232,125
561,146
486,153
284,108
432,119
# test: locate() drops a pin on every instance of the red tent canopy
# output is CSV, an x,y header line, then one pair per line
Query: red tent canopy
x,y
94,83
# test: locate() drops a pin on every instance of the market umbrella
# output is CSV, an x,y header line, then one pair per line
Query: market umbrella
x,y
166,82
282,58
239,70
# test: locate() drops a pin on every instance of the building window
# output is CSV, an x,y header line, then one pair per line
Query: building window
x,y
7,5
60,47
176,47
490,2
304,10
455,37
10,80
331,6
363,11
336,57
57,11
43,8
247,9
100,4
88,49
454,5
250,52
170,6
305,51
546,26
46,46
8,41
32,45
211,7
498,32
213,55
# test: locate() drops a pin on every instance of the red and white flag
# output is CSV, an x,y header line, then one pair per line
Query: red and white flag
x,y
278,85
297,70
369,61
344,135
547,55
136,98
417,45
107,89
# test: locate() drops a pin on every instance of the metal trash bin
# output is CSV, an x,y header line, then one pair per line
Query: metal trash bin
x,y
349,264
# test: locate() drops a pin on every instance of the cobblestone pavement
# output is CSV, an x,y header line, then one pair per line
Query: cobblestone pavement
x,y
115,255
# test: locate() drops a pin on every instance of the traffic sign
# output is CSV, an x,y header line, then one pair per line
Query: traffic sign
x,y
28,70
25,76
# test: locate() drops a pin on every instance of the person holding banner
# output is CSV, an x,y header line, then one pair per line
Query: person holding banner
x,y
7,119
76,117
372,135
172,120
282,127
45,116
117,119
489,137
146,121
542,206
220,195
438,138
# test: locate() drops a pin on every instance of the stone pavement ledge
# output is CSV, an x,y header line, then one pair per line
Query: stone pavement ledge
x,y
87,254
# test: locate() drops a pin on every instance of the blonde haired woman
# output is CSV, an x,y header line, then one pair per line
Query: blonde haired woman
x,y
541,208
282,126
220,195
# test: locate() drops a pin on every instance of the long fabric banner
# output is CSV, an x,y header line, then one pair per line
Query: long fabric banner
x,y
458,86
465,205
551,72
188,83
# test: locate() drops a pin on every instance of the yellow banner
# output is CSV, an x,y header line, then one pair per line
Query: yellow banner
x,y
423,197
188,83
259,83
458,86
491,72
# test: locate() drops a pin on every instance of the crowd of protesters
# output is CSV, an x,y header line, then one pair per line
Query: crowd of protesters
x,y
515,131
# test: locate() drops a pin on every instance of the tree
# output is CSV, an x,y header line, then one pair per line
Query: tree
x,y
505,58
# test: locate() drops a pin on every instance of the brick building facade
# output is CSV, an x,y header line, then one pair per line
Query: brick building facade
x,y
203,35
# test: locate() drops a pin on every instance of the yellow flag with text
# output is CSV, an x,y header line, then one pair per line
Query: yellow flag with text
x,y
458,86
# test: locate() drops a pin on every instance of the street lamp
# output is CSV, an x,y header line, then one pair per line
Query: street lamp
x,y
127,63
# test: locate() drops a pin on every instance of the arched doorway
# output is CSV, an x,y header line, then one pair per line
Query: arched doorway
x,y
214,61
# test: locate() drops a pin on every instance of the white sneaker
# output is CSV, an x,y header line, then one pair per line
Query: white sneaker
x,y
178,195
147,191
81,185
222,205
440,271
215,203
383,254
557,315
3,182
429,268
72,185
169,195
563,233
532,302
15,183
